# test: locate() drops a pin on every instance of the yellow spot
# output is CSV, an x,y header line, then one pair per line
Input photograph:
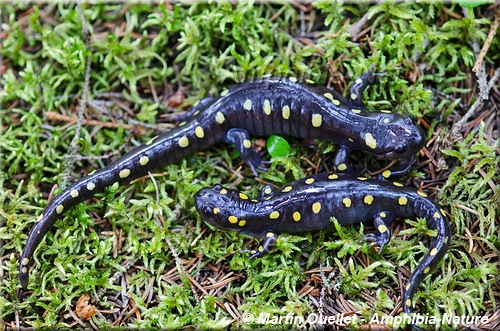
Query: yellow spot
x,y
328,95
223,191
269,234
309,180
254,200
346,202
333,176
356,111
408,302
90,186
408,286
199,132
433,252
287,189
143,160
386,120
184,142
368,199
196,103
310,81
232,219
370,141
397,184
248,104
342,167
436,215
274,215
316,207
243,196
386,174
260,249
26,261
196,113
286,112
443,212
224,93
268,190
358,81
59,209
362,178
219,117
402,201
24,270
293,79
296,216
426,270
382,214
317,119
382,228
242,223
40,218
267,107
216,211
124,173
73,193
385,111
422,194
268,198
353,96
336,102
247,143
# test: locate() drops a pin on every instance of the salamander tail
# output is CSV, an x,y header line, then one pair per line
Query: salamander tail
x,y
436,220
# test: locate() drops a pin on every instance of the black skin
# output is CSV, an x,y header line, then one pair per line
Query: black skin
x,y
308,204
280,106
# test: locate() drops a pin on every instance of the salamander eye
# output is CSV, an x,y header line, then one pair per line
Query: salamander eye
x,y
401,149
217,187
408,121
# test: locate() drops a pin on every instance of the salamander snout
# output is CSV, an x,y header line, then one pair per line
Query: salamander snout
x,y
217,206
205,200
400,137
413,139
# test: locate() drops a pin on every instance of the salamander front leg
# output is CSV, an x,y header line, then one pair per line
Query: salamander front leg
x,y
359,86
383,233
341,159
266,246
241,139
403,169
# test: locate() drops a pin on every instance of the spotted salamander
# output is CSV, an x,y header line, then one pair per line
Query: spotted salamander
x,y
309,203
263,107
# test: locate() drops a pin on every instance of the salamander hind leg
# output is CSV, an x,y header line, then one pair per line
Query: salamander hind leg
x,y
241,140
193,111
383,233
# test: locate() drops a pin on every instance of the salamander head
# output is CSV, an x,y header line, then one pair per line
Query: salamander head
x,y
221,207
395,136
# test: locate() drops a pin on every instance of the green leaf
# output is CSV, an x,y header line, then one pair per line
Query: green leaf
x,y
277,146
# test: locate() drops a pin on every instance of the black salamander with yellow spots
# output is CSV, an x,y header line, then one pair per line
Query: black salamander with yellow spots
x,y
309,203
267,106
